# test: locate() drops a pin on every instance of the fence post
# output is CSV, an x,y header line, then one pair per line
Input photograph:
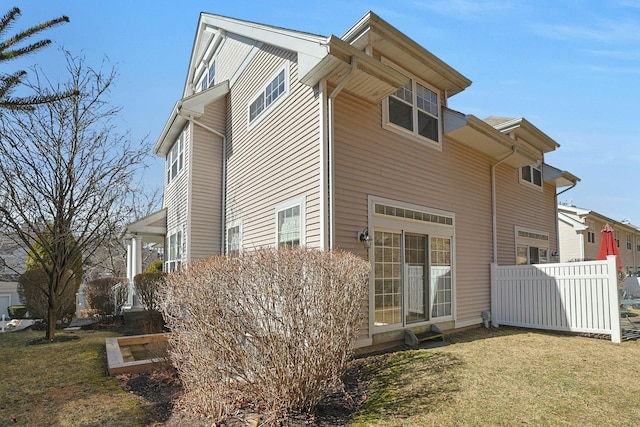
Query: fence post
x,y
614,301
494,295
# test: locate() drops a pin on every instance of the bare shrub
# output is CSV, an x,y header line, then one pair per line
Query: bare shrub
x,y
270,328
147,285
107,295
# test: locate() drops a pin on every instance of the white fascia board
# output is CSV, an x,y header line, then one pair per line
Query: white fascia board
x,y
310,47
191,106
577,225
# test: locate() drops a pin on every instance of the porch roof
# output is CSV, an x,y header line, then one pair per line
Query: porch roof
x,y
152,228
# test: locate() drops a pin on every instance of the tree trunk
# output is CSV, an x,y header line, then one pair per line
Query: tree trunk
x,y
52,311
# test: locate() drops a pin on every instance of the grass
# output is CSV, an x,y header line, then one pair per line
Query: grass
x,y
497,377
506,377
63,383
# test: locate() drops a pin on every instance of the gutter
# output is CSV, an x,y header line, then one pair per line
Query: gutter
x,y
223,217
494,220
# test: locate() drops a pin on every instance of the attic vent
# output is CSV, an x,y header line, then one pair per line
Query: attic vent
x,y
412,214
530,235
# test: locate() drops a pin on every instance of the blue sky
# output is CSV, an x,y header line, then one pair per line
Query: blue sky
x,y
570,67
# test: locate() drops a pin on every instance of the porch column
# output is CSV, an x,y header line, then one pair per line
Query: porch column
x,y
130,275
136,268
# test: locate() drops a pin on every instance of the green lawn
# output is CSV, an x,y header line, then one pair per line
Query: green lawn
x,y
63,384
501,377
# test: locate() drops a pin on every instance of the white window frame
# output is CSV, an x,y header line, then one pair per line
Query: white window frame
x,y
234,224
537,167
629,242
206,80
176,158
175,256
300,202
532,242
413,134
262,94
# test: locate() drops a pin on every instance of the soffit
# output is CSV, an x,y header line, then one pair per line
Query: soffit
x,y
478,135
372,32
370,79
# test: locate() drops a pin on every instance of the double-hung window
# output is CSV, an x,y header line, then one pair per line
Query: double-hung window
x,y
532,174
175,158
290,223
414,109
174,256
629,243
270,95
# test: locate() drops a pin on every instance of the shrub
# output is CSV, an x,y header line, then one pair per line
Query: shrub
x,y
155,267
147,285
107,295
17,311
270,328
33,289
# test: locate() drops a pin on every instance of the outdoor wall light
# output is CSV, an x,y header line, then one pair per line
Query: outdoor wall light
x,y
364,237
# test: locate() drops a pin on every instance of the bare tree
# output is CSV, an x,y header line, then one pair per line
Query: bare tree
x,y
12,48
65,170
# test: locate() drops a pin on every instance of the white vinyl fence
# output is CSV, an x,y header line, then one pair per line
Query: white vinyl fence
x,y
574,297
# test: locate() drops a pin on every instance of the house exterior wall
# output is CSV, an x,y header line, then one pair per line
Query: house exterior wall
x,y
176,197
571,242
521,205
275,160
205,210
371,161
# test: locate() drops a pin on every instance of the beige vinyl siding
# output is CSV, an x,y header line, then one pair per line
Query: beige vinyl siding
x,y
176,195
521,205
231,53
277,160
205,211
372,161
571,242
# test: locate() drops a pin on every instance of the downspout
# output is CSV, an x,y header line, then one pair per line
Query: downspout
x,y
331,172
494,219
223,217
558,225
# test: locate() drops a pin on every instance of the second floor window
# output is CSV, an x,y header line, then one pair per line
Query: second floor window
x,y
629,244
175,159
532,174
415,109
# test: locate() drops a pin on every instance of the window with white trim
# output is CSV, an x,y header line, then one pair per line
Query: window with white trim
x,y
591,234
174,255
270,95
532,247
175,158
414,109
290,223
616,236
208,76
629,243
234,238
532,174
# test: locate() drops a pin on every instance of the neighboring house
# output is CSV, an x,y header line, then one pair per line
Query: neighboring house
x,y
289,138
579,232
12,265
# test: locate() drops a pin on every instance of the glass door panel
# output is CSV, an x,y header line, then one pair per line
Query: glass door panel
x,y
441,278
415,278
388,278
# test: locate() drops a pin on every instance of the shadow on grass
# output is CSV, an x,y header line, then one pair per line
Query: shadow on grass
x,y
405,382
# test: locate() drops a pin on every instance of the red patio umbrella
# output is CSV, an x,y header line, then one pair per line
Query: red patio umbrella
x,y
608,246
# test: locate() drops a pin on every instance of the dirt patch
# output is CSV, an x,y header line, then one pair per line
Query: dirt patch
x,y
163,390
